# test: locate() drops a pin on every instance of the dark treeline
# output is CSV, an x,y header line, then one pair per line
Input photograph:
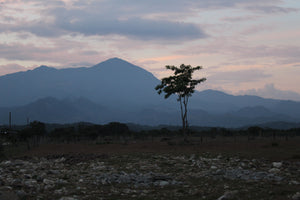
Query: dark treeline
x,y
35,131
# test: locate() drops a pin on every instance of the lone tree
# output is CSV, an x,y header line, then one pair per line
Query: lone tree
x,y
183,86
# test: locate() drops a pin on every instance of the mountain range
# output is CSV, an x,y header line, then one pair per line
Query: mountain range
x,y
116,90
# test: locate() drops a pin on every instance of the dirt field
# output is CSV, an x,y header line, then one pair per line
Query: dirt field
x,y
279,149
221,168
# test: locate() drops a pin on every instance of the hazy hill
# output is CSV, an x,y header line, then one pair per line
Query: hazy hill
x,y
113,83
116,90
72,110
219,102
52,110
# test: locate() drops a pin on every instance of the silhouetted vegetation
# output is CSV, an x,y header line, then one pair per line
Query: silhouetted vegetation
x,y
182,85
37,132
83,131
1,149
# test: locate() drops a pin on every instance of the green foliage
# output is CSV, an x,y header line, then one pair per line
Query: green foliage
x,y
182,85
254,130
63,133
116,128
35,129
275,144
1,149
92,132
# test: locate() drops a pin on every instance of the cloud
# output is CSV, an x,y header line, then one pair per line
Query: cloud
x,y
285,52
135,29
22,52
191,6
257,29
142,20
240,53
62,52
162,58
80,64
11,68
138,28
272,9
238,77
37,28
240,18
98,18
179,6
270,91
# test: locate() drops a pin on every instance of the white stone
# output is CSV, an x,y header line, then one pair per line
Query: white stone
x,y
48,182
277,164
274,170
228,195
30,183
67,198
296,196
293,182
213,167
163,183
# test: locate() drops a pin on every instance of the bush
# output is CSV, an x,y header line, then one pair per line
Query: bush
x,y
275,144
1,149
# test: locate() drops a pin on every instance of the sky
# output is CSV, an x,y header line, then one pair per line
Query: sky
x,y
245,46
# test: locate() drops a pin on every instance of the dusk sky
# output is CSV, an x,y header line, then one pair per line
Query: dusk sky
x,y
245,46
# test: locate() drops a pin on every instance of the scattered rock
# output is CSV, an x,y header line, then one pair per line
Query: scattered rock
x,y
296,196
213,167
48,182
67,198
229,195
30,183
8,195
277,164
21,194
274,170
293,182
63,176
163,183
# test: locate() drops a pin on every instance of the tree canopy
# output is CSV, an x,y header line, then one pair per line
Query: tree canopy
x,y
183,85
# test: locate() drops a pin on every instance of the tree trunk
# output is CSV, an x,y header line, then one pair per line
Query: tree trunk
x,y
182,117
183,108
185,117
186,113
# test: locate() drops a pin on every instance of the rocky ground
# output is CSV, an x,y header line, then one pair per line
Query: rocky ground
x,y
148,176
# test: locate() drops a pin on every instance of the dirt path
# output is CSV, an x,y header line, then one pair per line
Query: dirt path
x,y
273,150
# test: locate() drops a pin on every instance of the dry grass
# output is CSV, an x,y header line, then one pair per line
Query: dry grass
x,y
279,149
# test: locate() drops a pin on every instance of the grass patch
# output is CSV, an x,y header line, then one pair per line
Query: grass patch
x,y
274,144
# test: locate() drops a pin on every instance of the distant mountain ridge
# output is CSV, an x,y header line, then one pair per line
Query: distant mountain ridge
x,y
105,83
116,90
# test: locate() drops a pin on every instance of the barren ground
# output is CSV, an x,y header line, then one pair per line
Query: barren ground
x,y
215,169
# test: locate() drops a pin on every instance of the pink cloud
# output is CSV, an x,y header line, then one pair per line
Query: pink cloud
x,y
60,54
240,18
11,68
163,58
270,91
